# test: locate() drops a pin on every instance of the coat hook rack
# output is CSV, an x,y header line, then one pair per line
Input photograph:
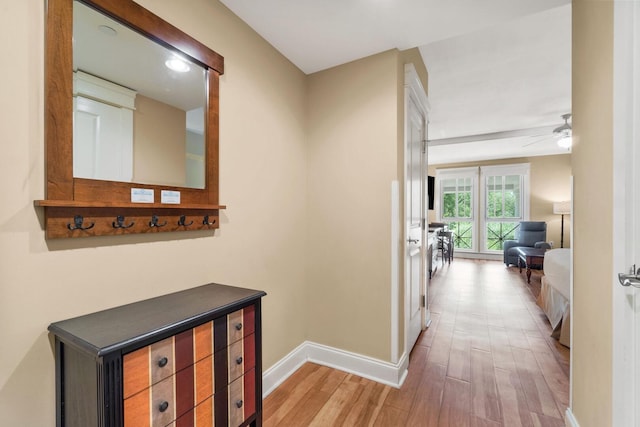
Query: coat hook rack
x,y
78,221
119,223
205,221
182,220
154,222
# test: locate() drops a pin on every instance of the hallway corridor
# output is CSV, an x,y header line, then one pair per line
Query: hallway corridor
x,y
486,360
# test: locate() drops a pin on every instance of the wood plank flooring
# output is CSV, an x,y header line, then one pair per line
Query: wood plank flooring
x,y
487,360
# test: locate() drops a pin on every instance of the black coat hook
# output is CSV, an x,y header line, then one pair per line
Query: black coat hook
x,y
205,221
77,224
154,222
182,220
119,223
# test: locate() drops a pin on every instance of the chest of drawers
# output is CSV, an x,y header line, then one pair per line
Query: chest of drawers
x,y
187,359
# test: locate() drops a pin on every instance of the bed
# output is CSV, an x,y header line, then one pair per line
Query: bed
x,y
555,293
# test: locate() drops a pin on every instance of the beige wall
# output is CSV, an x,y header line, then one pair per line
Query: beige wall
x,y
260,244
356,133
550,180
593,182
352,163
159,132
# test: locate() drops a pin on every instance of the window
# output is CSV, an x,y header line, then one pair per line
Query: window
x,y
503,195
456,204
505,203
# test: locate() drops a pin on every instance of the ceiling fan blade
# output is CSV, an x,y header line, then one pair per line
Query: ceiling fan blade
x,y
538,131
540,139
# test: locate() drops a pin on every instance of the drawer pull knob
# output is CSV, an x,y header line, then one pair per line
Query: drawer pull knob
x,y
239,404
238,326
163,406
163,362
239,360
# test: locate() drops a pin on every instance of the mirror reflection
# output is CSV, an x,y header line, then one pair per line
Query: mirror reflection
x,y
139,108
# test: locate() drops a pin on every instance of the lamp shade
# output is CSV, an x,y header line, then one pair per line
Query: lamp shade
x,y
562,208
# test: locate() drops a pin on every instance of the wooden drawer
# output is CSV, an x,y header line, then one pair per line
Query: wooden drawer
x,y
202,415
147,366
242,398
152,407
172,397
240,324
150,365
241,357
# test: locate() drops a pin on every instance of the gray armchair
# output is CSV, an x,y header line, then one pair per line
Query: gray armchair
x,y
532,234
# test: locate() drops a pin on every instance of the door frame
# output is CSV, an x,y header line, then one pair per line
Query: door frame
x,y
626,129
414,93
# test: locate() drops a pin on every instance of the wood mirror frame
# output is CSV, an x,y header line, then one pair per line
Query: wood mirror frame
x,y
79,207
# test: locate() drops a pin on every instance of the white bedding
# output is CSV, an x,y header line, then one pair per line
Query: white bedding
x,y
556,270
554,298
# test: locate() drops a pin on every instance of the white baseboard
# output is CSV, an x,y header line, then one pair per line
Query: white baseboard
x,y
477,255
569,419
276,374
363,366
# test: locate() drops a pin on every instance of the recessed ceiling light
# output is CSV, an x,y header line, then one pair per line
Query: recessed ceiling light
x,y
177,64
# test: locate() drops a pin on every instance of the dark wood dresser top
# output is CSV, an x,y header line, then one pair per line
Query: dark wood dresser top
x,y
117,328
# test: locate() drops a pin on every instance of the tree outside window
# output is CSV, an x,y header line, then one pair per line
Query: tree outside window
x,y
503,209
457,202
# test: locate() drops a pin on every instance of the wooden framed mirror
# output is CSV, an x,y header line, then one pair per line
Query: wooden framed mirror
x,y
83,198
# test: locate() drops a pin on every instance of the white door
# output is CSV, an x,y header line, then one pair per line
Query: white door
x,y
626,215
416,304
102,141
415,253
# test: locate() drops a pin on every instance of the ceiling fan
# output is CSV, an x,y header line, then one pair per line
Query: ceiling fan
x,y
562,134
565,132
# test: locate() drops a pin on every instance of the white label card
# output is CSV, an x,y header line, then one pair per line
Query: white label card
x,y
141,195
170,197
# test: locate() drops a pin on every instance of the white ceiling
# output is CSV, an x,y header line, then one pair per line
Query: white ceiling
x,y
494,65
319,34
515,75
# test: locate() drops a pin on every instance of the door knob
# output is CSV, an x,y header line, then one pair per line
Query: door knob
x,y
629,280
416,241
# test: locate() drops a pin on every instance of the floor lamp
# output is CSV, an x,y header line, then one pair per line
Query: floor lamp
x,y
562,208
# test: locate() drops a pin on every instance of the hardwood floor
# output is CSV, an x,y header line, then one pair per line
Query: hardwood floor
x,y
486,360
